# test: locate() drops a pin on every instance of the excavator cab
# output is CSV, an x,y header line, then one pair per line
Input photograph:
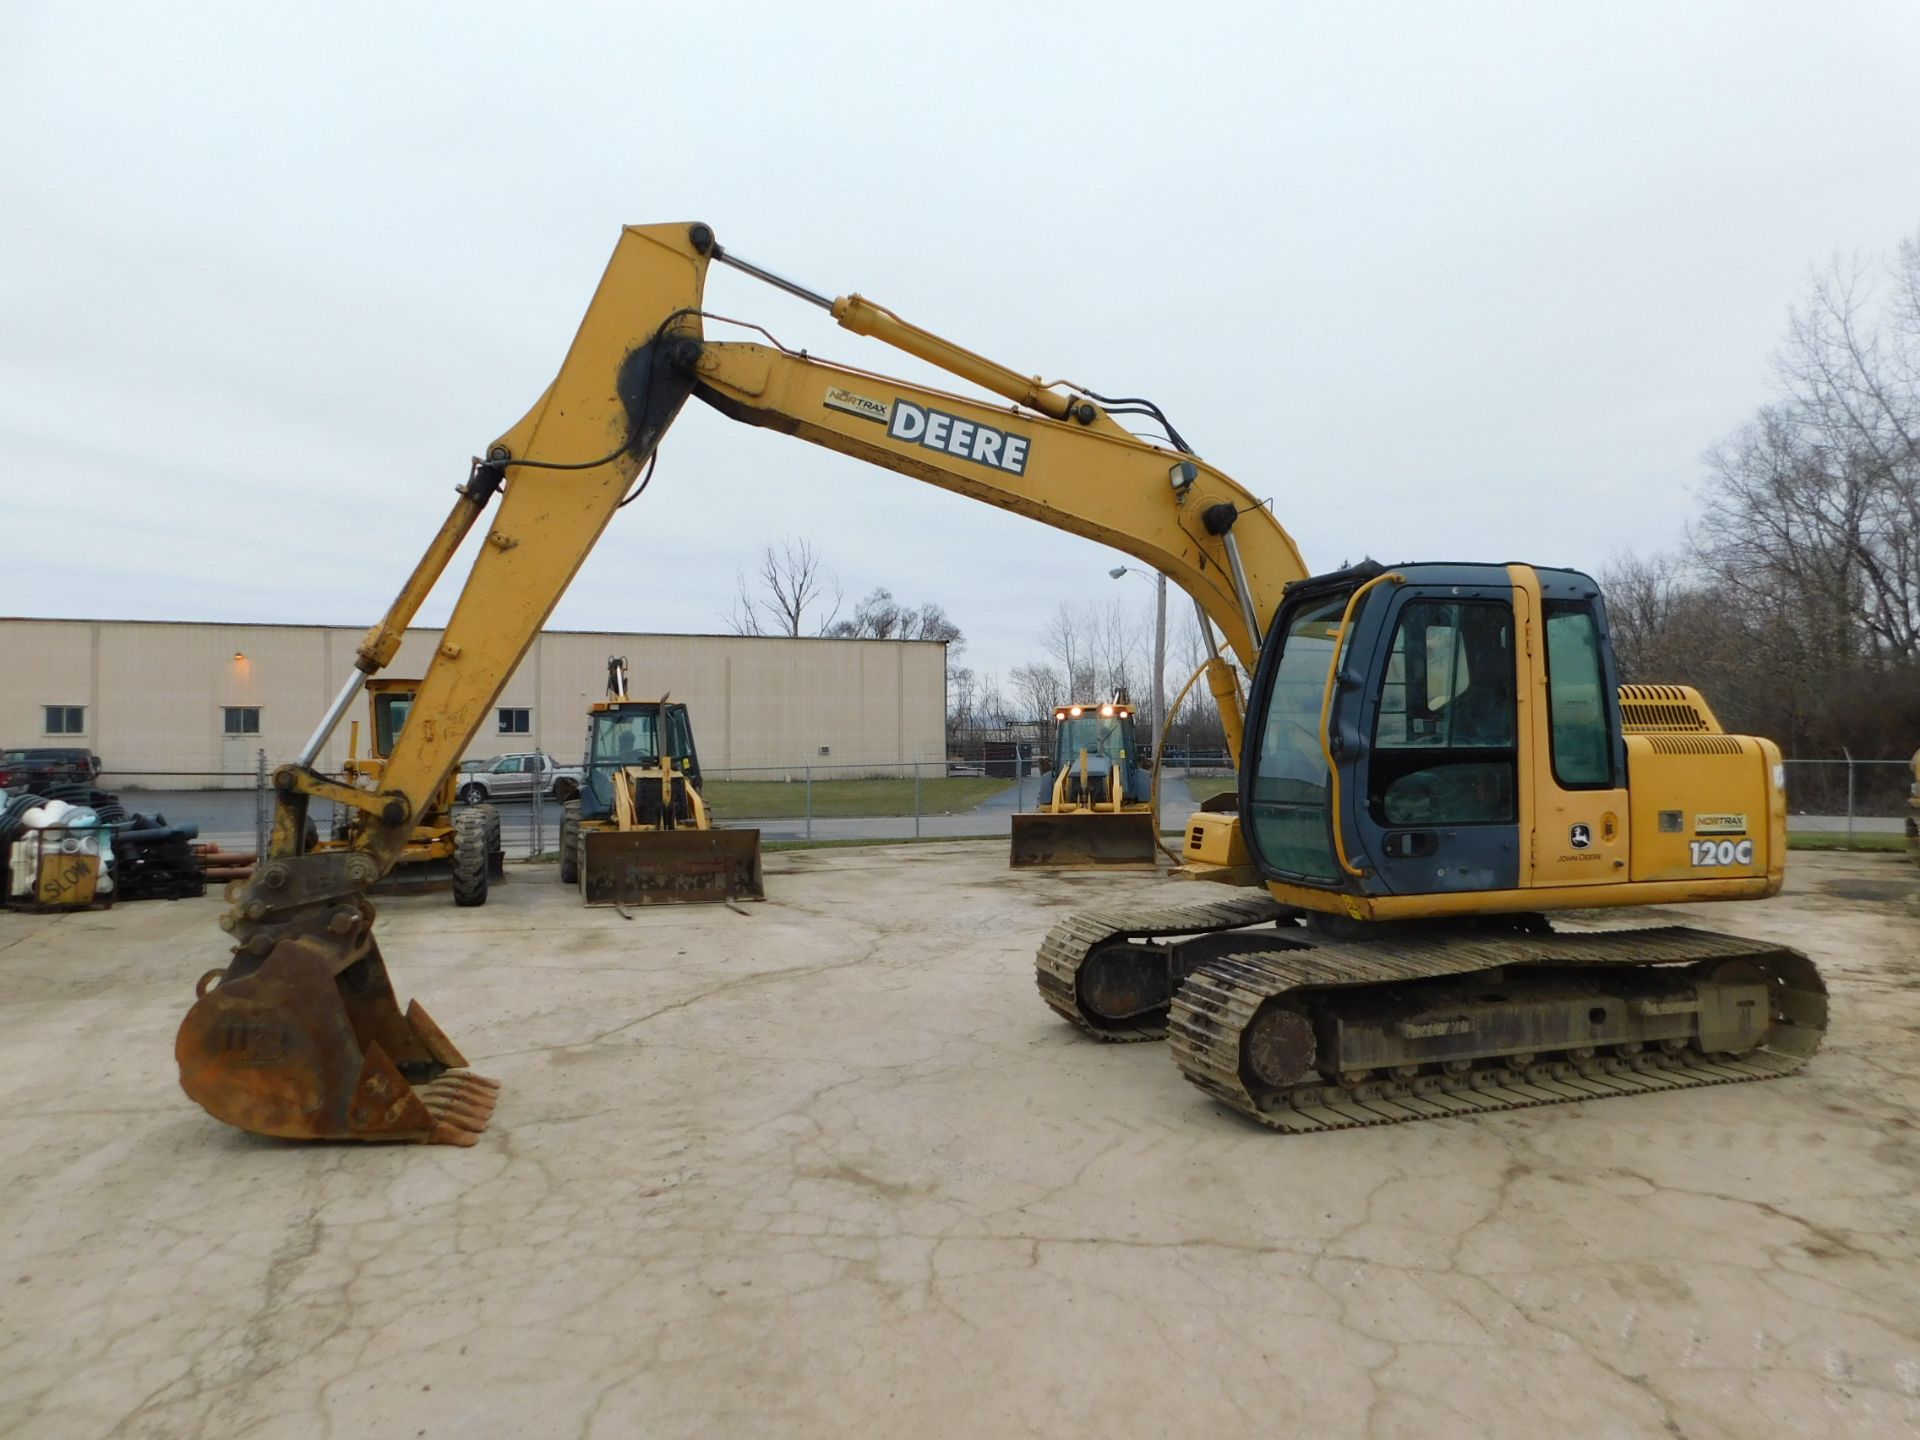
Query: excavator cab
x,y
1098,810
641,832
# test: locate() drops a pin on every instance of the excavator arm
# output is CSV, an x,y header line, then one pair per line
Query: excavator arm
x,y
300,1035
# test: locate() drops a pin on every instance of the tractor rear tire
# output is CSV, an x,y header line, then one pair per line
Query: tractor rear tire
x,y
570,844
470,842
496,851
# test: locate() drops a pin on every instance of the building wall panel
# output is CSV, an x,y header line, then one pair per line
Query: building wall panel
x,y
156,692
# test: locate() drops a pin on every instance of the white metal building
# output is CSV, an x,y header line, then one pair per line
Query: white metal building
x,y
153,697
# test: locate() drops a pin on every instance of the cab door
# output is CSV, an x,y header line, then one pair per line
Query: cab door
x,y
1437,807
1573,785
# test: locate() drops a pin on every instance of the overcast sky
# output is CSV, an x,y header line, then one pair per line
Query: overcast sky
x,y
1464,281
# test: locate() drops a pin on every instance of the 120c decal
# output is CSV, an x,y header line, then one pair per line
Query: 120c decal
x,y
1722,852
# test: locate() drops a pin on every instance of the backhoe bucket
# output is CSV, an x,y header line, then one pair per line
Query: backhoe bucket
x,y
310,1044
668,867
1084,840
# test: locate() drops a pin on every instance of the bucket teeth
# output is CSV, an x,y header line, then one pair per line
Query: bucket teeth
x,y
460,1104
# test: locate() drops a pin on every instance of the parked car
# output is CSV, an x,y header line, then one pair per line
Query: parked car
x,y
27,769
518,777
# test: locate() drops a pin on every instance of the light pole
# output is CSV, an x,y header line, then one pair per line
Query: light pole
x,y
1159,649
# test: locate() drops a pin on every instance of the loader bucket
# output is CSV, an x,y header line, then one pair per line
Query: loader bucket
x,y
310,1044
668,867
1084,840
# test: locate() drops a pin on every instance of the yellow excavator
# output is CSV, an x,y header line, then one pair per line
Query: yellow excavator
x,y
449,849
1097,811
1433,759
641,832
1913,810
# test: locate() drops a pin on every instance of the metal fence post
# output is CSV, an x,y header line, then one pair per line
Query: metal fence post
x,y
916,799
536,822
1849,754
809,802
260,813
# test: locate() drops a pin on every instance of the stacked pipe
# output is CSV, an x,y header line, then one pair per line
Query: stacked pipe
x,y
156,859
152,859
219,866
29,825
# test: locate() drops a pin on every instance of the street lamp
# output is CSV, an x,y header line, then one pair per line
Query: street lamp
x,y
1159,647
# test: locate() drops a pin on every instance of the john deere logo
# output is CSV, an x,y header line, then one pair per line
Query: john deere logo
x,y
1581,836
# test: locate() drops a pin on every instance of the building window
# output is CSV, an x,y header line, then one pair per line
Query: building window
x,y
241,719
66,719
516,721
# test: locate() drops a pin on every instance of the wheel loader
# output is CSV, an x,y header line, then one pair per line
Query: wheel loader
x,y
457,849
1097,811
1435,760
641,832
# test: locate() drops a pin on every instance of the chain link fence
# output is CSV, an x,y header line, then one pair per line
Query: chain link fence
x,y
953,799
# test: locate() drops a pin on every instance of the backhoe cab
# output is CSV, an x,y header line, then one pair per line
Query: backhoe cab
x,y
641,832
1097,810
450,849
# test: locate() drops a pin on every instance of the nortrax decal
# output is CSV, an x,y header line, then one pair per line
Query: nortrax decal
x,y
967,439
867,409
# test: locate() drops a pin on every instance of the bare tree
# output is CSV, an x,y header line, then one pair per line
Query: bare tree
x,y
791,580
1035,690
880,617
1797,606
1067,641
990,707
1120,649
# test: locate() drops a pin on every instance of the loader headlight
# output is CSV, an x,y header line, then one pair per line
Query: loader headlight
x,y
1780,777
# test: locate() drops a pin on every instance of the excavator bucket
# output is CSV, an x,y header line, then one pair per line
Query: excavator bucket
x,y
668,867
310,1044
1084,840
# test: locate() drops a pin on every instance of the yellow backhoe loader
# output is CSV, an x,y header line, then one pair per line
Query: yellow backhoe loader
x,y
1097,810
449,849
641,832
1433,759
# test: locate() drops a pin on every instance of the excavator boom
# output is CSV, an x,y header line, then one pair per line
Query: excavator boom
x,y
301,1033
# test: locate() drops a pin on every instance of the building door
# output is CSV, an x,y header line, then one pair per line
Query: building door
x,y
239,747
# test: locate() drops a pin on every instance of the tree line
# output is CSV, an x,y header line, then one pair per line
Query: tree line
x,y
1089,651
1793,602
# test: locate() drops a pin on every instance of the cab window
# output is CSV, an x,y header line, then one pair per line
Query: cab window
x,y
1290,797
1443,744
390,717
1577,698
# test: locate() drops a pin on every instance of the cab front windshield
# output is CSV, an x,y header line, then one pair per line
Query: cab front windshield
x,y
634,739
390,713
1108,735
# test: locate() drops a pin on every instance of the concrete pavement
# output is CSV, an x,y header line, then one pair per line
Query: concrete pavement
x,y
828,1168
